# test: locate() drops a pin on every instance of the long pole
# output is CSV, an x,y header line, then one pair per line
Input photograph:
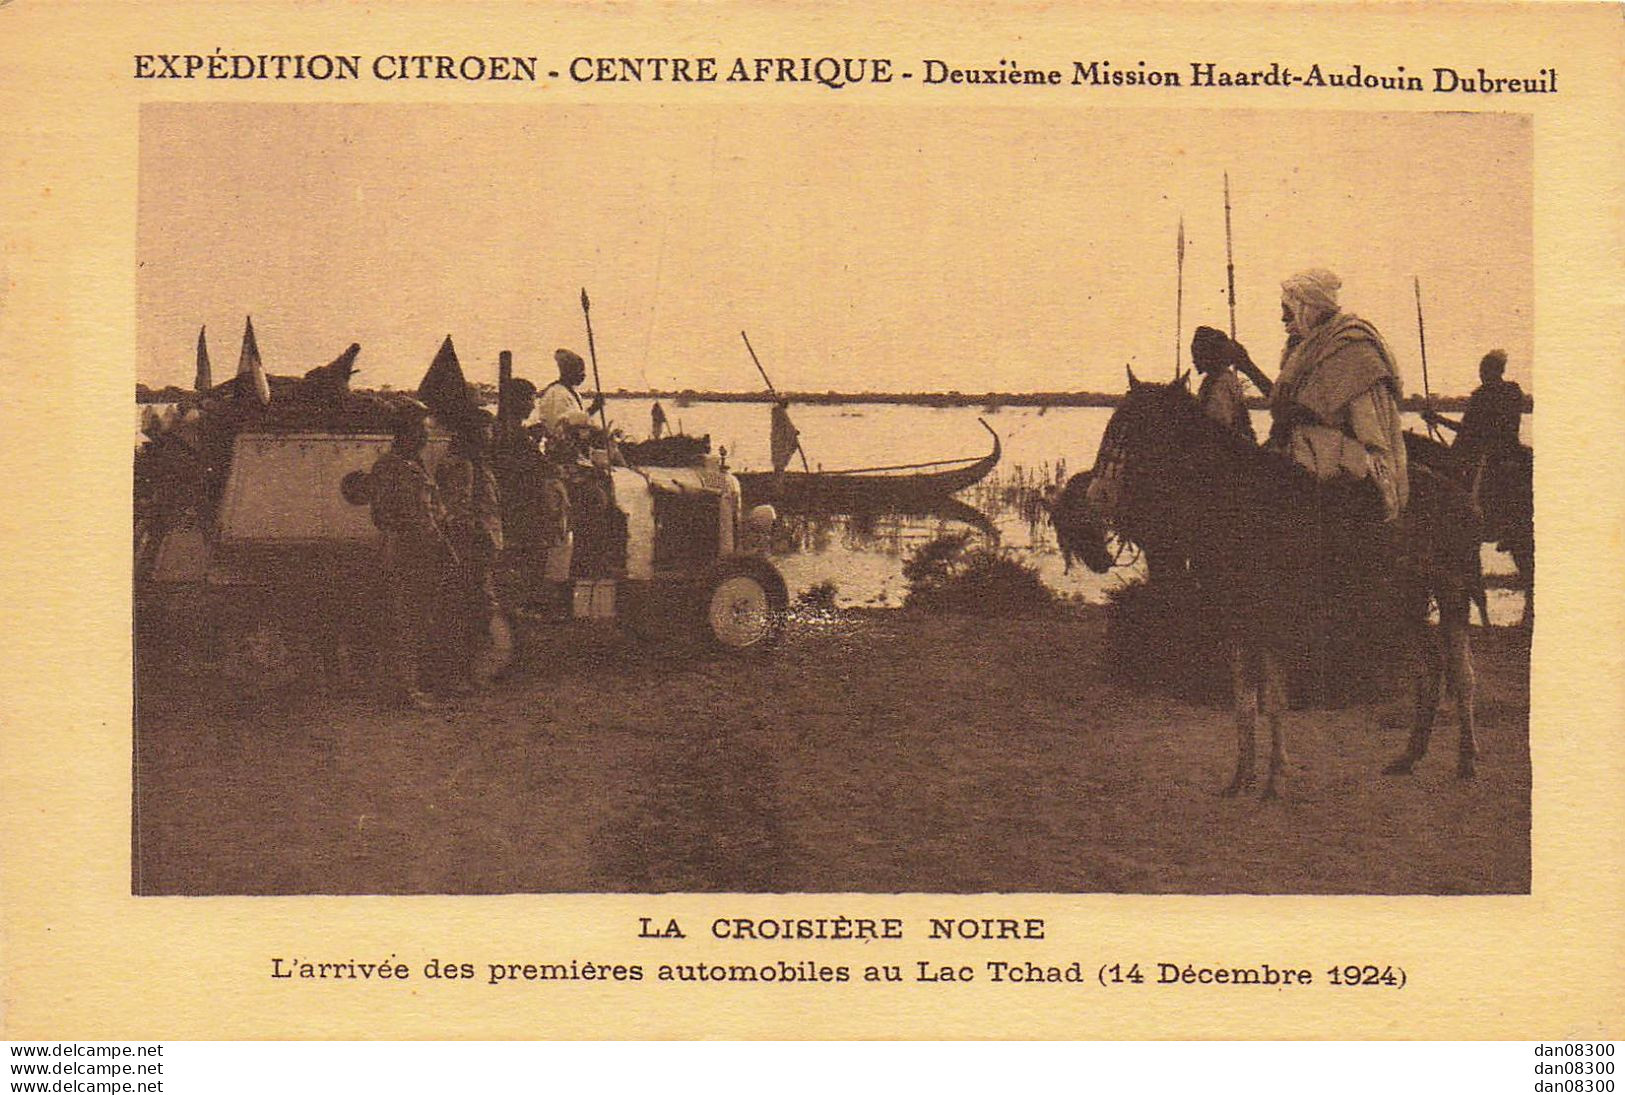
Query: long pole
x,y
1179,301
775,393
592,351
1422,336
1229,257
758,362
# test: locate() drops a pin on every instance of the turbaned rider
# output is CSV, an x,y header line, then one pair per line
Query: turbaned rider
x,y
1335,406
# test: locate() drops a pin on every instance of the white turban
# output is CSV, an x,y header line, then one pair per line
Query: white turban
x,y
1314,289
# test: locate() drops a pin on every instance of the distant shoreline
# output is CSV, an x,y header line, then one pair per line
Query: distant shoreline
x,y
986,400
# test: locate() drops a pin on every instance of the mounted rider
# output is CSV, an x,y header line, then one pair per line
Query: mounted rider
x,y
1492,463
1489,427
1217,358
1335,406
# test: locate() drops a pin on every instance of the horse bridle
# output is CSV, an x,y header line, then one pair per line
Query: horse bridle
x,y
1109,464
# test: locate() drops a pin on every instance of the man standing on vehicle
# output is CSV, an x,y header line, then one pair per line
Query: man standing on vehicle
x,y
564,427
560,415
416,558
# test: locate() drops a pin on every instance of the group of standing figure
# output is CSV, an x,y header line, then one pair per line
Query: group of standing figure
x,y
443,533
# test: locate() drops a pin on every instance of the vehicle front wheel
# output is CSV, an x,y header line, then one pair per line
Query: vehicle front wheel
x,y
742,608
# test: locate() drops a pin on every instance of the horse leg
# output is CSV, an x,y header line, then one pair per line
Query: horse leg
x,y
1427,689
1246,705
1459,667
1273,688
1523,557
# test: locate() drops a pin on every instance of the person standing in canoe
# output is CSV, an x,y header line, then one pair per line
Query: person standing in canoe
x,y
784,439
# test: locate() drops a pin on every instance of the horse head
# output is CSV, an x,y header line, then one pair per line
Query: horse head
x,y
1142,431
1080,531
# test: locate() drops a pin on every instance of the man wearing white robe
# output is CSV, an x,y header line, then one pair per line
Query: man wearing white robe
x,y
1336,403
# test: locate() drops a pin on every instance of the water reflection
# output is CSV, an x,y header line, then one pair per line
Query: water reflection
x,y
863,554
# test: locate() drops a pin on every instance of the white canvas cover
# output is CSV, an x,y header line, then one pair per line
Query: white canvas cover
x,y
284,487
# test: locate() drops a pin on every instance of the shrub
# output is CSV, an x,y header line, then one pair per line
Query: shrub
x,y
1167,637
816,602
947,574
1162,637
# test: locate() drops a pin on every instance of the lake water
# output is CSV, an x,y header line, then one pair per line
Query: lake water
x,y
864,557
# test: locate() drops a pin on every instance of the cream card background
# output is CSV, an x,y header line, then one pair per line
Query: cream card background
x,y
81,958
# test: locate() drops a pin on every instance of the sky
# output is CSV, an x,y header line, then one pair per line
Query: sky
x,y
862,248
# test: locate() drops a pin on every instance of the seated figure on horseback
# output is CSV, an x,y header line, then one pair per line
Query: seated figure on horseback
x,y
1335,406
1218,358
1317,553
1489,428
1487,455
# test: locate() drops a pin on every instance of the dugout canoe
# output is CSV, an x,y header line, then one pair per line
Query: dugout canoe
x,y
895,488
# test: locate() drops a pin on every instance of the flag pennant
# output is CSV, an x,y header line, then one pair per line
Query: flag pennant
x,y
202,381
249,365
444,390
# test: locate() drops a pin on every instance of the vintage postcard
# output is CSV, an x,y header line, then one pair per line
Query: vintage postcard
x,y
693,521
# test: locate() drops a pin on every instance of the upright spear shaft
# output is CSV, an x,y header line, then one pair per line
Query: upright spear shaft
x,y
1179,301
1229,257
1422,336
592,352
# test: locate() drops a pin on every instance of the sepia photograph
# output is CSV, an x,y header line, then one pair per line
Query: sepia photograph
x,y
586,498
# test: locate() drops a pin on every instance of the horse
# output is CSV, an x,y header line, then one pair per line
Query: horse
x,y
1502,490
1277,554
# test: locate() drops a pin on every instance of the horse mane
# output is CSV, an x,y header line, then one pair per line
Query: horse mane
x,y
1258,459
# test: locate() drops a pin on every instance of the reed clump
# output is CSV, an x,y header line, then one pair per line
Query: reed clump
x,y
953,573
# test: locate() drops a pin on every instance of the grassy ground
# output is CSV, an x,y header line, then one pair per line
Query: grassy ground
x,y
884,751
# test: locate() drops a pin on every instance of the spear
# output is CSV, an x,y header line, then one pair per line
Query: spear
x,y
1179,300
1422,335
1229,257
1245,365
592,352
